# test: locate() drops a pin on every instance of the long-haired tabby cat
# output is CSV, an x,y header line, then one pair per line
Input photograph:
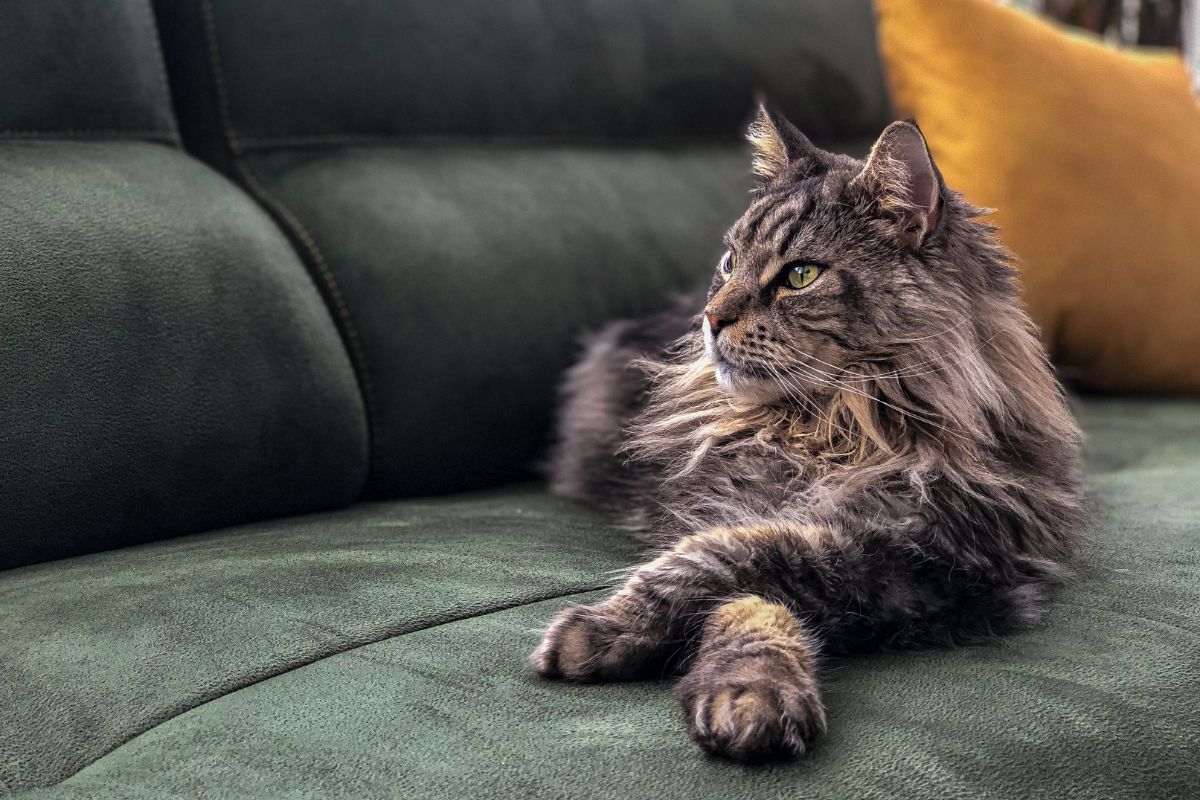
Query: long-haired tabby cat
x,y
857,445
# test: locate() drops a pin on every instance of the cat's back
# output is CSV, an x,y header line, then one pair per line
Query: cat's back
x,y
600,397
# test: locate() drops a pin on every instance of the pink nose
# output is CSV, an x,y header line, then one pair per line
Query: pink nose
x,y
715,322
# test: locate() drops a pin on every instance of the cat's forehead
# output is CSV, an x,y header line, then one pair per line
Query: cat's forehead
x,y
768,211
778,216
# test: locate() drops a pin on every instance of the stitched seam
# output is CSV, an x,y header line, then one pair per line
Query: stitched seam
x,y
160,63
333,291
376,640
214,54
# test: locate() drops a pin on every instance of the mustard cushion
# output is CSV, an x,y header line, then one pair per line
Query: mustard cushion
x,y
1091,157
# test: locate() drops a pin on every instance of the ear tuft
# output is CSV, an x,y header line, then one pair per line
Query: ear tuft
x,y
770,153
903,183
777,144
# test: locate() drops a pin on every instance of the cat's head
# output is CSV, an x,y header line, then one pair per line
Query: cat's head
x,y
839,266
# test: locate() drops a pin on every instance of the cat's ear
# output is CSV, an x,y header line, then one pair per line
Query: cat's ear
x,y
778,144
903,184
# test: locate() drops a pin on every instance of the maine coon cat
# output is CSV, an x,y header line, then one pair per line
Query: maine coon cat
x,y
857,444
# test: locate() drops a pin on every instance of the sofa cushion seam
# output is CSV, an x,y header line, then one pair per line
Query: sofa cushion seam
x,y
214,55
333,291
285,216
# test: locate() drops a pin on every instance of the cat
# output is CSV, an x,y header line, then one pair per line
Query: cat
x,y
858,444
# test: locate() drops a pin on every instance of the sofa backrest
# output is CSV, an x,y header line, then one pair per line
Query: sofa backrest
x,y
307,71
82,70
475,183
166,365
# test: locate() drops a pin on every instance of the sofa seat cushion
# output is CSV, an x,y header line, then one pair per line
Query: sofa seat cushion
x,y
99,649
369,664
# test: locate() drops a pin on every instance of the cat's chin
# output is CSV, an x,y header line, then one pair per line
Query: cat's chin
x,y
747,388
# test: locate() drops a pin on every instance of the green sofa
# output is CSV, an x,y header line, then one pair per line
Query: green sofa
x,y
285,289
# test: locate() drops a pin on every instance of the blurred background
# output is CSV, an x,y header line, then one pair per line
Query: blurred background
x,y
1149,23
1156,23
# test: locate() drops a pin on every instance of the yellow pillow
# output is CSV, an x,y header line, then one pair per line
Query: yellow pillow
x,y
1090,156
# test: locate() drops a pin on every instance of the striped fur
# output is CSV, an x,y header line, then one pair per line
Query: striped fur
x,y
882,459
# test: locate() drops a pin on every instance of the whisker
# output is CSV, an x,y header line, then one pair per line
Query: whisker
x,y
829,380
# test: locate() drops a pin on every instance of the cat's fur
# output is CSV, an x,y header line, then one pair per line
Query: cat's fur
x,y
882,459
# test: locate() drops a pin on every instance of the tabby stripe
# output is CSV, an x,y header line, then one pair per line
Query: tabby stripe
x,y
790,211
769,204
852,293
805,204
789,238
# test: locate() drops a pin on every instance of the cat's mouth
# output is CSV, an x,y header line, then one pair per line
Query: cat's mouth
x,y
741,379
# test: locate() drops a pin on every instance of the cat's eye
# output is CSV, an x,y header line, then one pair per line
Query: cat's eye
x,y
801,275
727,264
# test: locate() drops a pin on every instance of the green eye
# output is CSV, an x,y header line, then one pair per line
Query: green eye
x,y
802,275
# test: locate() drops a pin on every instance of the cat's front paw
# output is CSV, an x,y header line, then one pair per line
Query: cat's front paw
x,y
749,720
594,643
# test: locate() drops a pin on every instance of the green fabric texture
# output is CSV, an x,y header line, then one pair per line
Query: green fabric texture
x,y
168,367
470,272
1098,702
82,70
597,69
99,649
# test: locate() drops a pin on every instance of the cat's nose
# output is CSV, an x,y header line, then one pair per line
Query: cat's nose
x,y
715,321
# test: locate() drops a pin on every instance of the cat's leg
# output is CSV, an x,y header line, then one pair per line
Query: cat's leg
x,y
662,607
752,690
621,638
841,593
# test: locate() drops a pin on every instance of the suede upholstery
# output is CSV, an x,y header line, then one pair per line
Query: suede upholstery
x,y
378,660
135,637
71,69
168,367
